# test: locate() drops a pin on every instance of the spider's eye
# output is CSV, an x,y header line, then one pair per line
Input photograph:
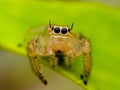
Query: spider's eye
x,y
68,29
57,30
52,28
64,31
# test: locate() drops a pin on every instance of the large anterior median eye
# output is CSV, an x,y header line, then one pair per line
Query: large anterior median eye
x,y
64,30
56,29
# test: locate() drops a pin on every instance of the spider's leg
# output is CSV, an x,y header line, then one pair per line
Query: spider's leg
x,y
31,33
87,67
87,62
36,68
33,49
68,61
53,61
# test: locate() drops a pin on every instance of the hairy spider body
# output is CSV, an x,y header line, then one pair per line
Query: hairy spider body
x,y
60,44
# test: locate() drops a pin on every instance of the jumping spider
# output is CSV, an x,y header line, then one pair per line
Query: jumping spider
x,y
59,43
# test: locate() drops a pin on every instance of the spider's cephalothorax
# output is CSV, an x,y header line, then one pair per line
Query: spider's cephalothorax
x,y
60,44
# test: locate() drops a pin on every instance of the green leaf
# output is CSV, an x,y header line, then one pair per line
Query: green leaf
x,y
99,23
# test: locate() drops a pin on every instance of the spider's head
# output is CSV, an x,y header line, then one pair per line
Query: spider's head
x,y
60,30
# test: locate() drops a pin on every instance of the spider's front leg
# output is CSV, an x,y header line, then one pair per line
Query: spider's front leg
x,y
32,48
87,61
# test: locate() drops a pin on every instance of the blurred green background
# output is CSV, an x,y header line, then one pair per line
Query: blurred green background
x,y
98,20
